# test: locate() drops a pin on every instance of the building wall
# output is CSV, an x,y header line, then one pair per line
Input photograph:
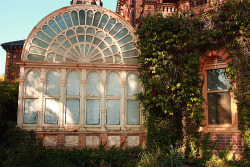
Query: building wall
x,y
11,68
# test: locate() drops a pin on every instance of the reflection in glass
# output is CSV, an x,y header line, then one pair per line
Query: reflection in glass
x,y
52,109
113,84
219,109
133,86
113,112
53,83
32,83
72,111
133,112
93,84
217,79
30,111
93,112
73,84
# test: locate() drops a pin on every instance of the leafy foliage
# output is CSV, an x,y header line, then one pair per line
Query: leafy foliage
x,y
171,50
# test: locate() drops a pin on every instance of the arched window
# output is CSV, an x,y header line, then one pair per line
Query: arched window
x,y
72,109
52,105
133,105
113,99
93,91
32,83
218,96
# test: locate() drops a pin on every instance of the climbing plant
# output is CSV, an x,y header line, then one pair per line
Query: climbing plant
x,y
232,27
171,49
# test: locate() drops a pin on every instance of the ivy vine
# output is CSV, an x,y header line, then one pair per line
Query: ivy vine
x,y
171,50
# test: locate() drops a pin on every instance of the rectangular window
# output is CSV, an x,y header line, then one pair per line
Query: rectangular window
x,y
113,112
219,101
52,109
72,111
93,112
30,111
133,112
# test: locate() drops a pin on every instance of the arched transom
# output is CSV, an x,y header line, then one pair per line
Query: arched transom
x,y
83,35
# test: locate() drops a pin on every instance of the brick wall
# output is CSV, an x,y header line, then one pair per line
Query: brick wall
x,y
227,139
93,140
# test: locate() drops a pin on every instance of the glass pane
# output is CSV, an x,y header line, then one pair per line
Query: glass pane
x,y
74,17
66,44
40,43
89,38
102,46
33,57
133,112
131,53
100,34
91,30
54,46
44,37
80,38
113,112
82,17
89,17
70,33
217,79
30,111
61,38
97,19
110,24
132,60
128,46
125,40
93,112
109,40
37,50
80,30
133,86
67,19
219,108
72,111
48,31
93,84
61,23
32,83
54,26
116,28
114,49
52,109
103,21
107,52
73,84
53,83
121,34
113,84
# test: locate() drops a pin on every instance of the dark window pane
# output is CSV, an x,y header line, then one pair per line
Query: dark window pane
x,y
217,79
219,108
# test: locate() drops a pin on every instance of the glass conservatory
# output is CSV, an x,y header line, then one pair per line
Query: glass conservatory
x,y
79,79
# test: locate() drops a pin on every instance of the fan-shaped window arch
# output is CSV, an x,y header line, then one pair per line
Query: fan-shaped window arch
x,y
85,36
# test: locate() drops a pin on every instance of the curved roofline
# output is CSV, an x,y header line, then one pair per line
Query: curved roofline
x,y
68,9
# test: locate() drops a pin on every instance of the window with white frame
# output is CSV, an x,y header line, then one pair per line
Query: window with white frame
x,y
31,101
93,98
133,105
72,108
113,99
52,102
